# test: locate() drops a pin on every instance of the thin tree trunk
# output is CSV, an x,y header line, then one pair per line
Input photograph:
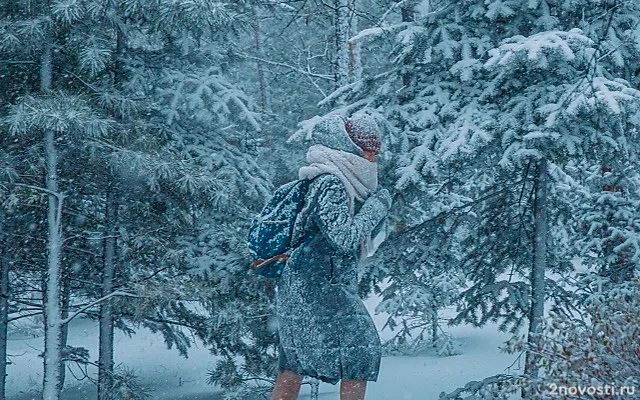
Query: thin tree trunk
x,y
342,51
348,63
355,62
65,299
105,345
52,313
4,306
434,324
261,82
408,15
105,357
315,389
539,267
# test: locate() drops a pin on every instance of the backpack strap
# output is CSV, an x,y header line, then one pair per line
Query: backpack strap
x,y
278,257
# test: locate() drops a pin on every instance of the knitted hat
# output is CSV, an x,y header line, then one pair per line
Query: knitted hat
x,y
330,131
363,131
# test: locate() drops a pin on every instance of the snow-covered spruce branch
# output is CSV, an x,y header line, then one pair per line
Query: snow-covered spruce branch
x,y
238,102
475,387
590,72
377,31
96,302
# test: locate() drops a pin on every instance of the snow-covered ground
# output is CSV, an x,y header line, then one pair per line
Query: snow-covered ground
x,y
173,377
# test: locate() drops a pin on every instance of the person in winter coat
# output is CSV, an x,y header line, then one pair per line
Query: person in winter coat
x,y
325,330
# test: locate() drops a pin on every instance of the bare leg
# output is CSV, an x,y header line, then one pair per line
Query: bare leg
x,y
287,386
352,390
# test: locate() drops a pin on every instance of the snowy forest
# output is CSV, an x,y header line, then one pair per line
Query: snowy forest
x,y
139,138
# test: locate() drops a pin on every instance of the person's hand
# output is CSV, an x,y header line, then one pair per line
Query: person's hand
x,y
384,197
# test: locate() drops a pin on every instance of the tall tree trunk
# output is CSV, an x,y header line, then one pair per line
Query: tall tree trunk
x,y
408,15
4,305
353,48
539,267
65,299
52,312
261,82
105,345
342,51
105,356
434,323
348,63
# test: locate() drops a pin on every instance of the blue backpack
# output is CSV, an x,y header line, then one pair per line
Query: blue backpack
x,y
270,232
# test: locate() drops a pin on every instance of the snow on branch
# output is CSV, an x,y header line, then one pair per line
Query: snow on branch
x,y
62,113
478,389
207,95
377,31
96,302
535,50
603,91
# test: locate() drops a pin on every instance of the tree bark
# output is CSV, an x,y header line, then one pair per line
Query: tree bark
x,y
355,62
65,299
434,323
4,305
408,15
106,328
539,266
261,82
52,312
348,62
342,51
105,356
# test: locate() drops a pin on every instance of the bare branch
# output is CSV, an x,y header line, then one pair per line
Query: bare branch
x,y
96,302
292,67
58,195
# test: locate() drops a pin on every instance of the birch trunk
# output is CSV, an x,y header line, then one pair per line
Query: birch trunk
x,y
355,62
52,312
4,306
539,267
105,356
342,51
348,63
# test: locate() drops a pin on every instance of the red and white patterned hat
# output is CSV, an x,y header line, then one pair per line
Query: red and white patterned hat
x,y
363,131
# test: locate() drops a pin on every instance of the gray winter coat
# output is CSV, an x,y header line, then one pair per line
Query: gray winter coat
x,y
325,330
